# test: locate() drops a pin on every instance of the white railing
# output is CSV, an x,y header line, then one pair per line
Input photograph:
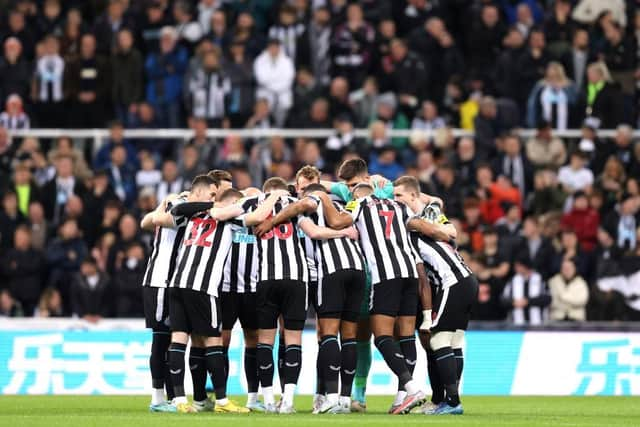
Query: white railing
x,y
99,135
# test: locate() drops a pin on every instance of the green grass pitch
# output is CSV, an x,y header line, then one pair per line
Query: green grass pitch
x,y
117,411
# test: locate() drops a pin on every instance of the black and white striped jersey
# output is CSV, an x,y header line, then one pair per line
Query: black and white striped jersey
x,y
333,255
164,250
384,237
441,259
203,253
309,251
241,268
281,254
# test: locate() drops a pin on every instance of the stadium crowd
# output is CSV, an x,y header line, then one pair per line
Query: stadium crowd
x,y
544,222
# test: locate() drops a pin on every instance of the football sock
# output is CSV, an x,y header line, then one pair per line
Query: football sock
x,y
265,365
394,358
157,365
320,388
225,353
448,373
362,369
251,369
349,359
329,355
437,389
408,348
292,364
215,366
457,352
198,368
176,367
281,351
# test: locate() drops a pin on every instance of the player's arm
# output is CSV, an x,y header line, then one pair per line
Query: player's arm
x,y
435,231
147,222
305,205
188,209
264,210
424,293
317,232
335,219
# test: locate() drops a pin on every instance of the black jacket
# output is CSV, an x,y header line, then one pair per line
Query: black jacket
x,y
14,78
87,300
607,106
126,72
24,272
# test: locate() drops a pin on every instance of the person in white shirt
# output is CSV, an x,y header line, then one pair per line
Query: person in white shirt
x,y
275,73
575,176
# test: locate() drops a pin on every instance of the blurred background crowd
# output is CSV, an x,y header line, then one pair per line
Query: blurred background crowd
x,y
550,225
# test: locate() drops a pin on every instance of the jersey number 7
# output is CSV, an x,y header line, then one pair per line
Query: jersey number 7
x,y
388,220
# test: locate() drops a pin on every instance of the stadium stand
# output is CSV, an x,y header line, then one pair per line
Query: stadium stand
x,y
434,89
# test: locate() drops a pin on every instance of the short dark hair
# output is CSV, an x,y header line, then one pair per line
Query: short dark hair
x,y
352,168
314,187
203,180
275,183
409,182
231,193
220,175
361,187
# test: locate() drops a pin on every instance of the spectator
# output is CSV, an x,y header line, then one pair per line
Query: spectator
x,y
219,33
127,234
619,54
64,147
109,24
531,66
148,176
50,304
206,10
344,138
611,182
38,226
90,292
72,33
526,296
428,118
126,70
26,190
570,249
56,192
14,117
287,31
49,21
165,70
352,47
339,99
584,220
247,33
207,91
569,294
151,23
189,165
9,307
552,99
14,71
576,59
385,163
505,70
207,148
363,101
122,176
606,295
64,255
18,29
623,148
274,73
188,28
240,72
539,249
546,150
444,184
547,195
49,88
575,176
232,155
305,91
312,50
622,223
602,99
126,281
171,181
514,165
116,138
387,111
484,39
559,27
509,226
487,127
406,73
23,268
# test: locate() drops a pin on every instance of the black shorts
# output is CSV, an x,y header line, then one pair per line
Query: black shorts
x,y
194,312
156,308
239,306
340,295
282,297
313,295
453,305
396,297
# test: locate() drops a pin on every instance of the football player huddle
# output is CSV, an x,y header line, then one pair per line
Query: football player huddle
x,y
373,258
